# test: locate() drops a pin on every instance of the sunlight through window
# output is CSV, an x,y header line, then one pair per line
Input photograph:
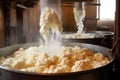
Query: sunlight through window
x,y
107,9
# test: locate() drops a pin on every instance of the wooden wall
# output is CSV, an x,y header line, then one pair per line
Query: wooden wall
x,y
91,17
31,23
68,21
2,35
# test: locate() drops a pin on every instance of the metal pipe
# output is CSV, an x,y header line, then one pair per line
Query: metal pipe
x,y
21,6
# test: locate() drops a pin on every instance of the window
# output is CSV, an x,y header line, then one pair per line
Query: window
x,y
107,9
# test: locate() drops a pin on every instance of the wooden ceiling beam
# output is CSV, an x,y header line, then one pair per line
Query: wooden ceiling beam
x,y
63,1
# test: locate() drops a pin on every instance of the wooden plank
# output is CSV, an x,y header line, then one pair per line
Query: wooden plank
x,y
68,21
2,35
13,23
19,28
61,0
24,0
13,16
6,15
31,24
117,36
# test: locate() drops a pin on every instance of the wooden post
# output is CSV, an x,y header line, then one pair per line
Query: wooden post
x,y
2,35
19,29
6,15
117,36
13,22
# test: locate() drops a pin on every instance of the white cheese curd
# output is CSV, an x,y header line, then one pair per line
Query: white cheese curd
x,y
69,59
79,15
49,20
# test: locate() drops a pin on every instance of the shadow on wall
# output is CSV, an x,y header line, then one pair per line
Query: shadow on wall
x,y
105,25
